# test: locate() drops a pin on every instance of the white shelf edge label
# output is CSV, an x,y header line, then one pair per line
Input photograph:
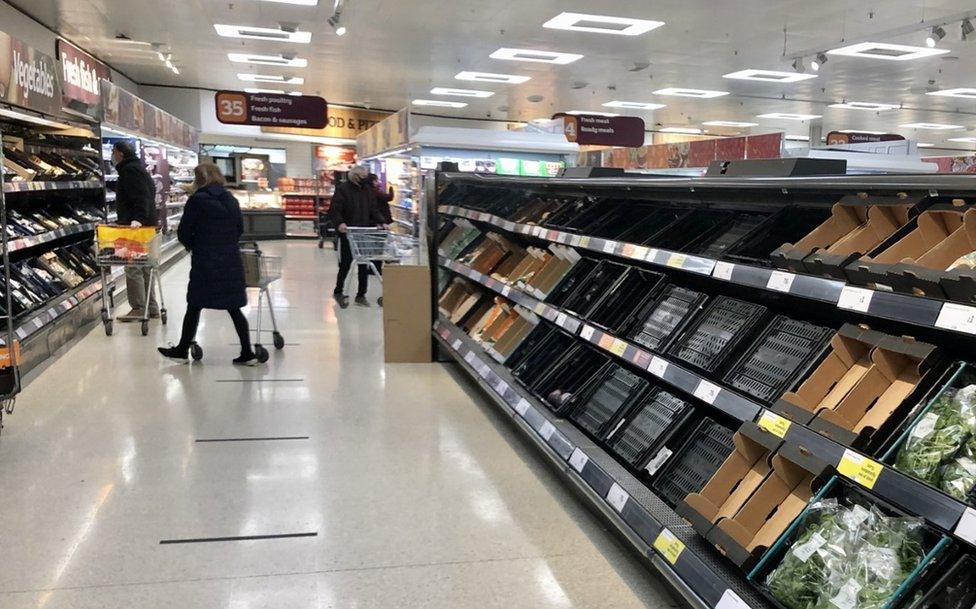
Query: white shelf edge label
x,y
731,600
966,529
960,318
617,497
547,430
780,281
578,460
469,357
651,255
855,299
723,270
561,319
609,247
587,332
501,387
456,344
657,367
707,391
522,407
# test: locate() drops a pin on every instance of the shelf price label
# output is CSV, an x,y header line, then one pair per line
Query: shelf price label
x,y
617,497
561,319
859,468
780,281
855,299
584,242
651,254
506,291
957,317
456,344
723,271
469,357
639,253
587,332
966,528
669,546
676,261
575,240
731,600
522,407
578,460
547,430
501,387
707,391
609,247
618,347
657,367
774,424
540,308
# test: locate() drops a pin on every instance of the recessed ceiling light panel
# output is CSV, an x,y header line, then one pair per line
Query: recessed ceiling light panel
x,y
285,80
768,76
262,33
924,145
729,124
966,92
966,140
633,105
797,138
506,79
884,50
591,113
298,2
269,91
460,92
865,106
930,126
439,103
681,92
269,60
601,24
869,132
533,55
685,130
790,116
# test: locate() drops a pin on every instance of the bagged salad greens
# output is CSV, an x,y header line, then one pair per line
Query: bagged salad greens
x,y
847,557
938,436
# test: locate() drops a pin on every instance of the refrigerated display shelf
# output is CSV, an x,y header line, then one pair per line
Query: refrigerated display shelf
x,y
696,569
928,313
12,187
919,499
34,240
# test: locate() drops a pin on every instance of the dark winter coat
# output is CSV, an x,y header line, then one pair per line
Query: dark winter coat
x,y
210,228
355,205
135,195
384,199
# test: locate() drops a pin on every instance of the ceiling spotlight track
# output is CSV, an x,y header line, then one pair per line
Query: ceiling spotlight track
x,y
335,20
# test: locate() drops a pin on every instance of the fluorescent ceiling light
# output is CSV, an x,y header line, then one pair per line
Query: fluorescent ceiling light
x,y
789,116
865,106
269,60
460,92
729,124
508,79
269,91
295,93
298,2
700,93
687,130
768,75
924,145
884,50
632,105
797,138
262,33
960,92
438,103
967,140
509,54
285,80
578,112
930,126
600,24
862,131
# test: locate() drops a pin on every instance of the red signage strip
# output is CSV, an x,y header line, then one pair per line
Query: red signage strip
x,y
28,77
592,130
82,76
271,110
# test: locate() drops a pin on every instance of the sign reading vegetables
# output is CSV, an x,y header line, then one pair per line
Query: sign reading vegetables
x,y
271,110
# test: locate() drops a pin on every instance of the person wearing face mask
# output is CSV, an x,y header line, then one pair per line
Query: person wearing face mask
x,y
354,203
135,202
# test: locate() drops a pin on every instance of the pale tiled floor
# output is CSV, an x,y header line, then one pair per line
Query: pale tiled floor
x,y
420,494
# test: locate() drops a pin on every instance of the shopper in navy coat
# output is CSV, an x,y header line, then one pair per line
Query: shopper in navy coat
x,y
211,228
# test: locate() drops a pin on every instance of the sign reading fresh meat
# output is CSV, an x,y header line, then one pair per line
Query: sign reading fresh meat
x,y
587,129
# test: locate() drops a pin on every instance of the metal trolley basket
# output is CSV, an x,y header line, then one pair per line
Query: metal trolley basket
x,y
260,271
371,245
128,246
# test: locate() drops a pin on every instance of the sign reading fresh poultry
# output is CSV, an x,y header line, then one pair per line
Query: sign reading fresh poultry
x,y
271,110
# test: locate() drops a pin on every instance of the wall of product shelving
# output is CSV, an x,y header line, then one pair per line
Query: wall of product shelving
x,y
748,363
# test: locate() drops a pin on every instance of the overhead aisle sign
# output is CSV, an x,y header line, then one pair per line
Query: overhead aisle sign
x,y
271,110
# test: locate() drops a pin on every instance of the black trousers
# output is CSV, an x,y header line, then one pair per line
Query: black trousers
x,y
192,320
345,265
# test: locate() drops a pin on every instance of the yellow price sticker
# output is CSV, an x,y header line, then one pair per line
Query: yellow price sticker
x,y
669,546
540,308
859,468
774,424
676,260
618,347
584,242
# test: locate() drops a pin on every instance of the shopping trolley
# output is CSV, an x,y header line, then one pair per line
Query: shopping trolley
x,y
260,271
131,247
371,245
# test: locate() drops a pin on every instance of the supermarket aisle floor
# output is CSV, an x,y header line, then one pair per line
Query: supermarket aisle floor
x,y
414,497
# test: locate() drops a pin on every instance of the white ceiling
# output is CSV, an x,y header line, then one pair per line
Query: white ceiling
x,y
397,50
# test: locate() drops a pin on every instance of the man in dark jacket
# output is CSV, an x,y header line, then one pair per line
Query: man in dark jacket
x,y
354,204
135,201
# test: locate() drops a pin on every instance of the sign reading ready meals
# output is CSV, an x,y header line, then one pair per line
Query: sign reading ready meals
x,y
271,110
587,129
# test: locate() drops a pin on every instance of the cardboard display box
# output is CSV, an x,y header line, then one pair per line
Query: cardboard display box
x,y
456,293
844,218
930,273
883,223
553,271
406,314
510,339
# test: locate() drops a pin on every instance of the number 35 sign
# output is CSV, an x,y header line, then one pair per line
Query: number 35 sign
x,y
271,110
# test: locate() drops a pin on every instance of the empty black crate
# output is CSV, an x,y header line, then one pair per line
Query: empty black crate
x,y
714,336
695,463
630,294
788,226
659,321
598,285
573,279
624,219
580,215
535,358
648,426
653,222
780,355
568,377
612,394
728,236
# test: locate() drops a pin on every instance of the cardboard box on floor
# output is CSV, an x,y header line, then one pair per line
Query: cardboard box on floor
x,y
406,314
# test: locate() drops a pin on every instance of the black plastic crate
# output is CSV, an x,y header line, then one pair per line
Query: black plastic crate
x,y
599,284
540,334
738,226
653,222
661,320
648,426
631,293
695,463
781,355
714,337
572,280
624,218
568,378
539,356
788,226
616,390
581,215
692,229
